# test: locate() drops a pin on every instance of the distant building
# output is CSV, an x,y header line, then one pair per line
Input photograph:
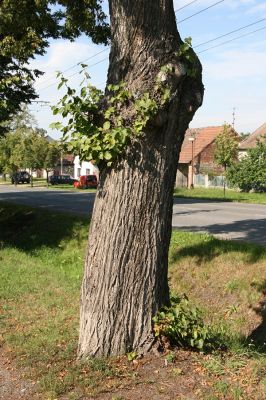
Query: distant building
x,y
199,144
84,168
251,141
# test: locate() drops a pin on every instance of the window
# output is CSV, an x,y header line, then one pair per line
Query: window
x,y
78,172
88,171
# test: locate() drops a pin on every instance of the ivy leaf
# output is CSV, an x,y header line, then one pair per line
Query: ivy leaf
x,y
107,155
55,125
106,125
83,92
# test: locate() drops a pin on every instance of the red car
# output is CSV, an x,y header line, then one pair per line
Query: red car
x,y
86,182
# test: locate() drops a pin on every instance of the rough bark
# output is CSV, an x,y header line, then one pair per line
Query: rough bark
x,y
125,279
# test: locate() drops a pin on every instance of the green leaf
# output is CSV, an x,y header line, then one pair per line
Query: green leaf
x,y
106,125
132,356
56,125
107,155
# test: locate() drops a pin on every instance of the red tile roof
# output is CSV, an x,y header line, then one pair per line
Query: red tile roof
x,y
203,137
251,140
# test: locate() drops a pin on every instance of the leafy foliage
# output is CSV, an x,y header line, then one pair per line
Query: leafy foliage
x,y
250,172
188,57
96,128
182,323
25,146
226,146
25,27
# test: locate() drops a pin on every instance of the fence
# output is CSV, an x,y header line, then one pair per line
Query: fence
x,y
208,181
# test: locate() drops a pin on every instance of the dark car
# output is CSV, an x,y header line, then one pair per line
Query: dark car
x,y
20,177
61,180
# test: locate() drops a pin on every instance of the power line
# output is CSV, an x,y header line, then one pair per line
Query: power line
x,y
201,11
231,40
80,62
107,48
75,73
186,5
200,44
229,33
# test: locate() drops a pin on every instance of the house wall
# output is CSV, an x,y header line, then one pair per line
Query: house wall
x,y
205,163
84,168
182,176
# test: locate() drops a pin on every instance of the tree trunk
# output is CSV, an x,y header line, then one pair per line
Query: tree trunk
x,y
125,280
31,178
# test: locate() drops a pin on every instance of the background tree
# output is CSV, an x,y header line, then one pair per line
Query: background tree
x,y
226,148
25,146
250,172
25,27
52,156
8,161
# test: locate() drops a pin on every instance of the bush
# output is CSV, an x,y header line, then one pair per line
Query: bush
x,y
250,172
182,323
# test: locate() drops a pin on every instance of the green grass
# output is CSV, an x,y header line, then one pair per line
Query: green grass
x,y
41,257
218,194
225,279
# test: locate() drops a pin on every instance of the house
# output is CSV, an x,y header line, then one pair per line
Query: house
x,y
64,166
84,168
199,146
251,141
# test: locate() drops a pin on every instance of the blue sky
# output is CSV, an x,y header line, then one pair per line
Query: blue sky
x,y
234,74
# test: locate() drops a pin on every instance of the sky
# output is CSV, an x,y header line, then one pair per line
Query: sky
x,y
234,73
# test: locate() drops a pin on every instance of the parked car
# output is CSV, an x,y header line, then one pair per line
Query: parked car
x,y
20,177
86,182
61,180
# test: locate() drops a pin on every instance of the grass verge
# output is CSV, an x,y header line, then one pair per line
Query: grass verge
x,y
41,269
218,194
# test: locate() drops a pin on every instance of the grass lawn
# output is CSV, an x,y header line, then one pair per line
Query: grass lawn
x,y
41,257
218,194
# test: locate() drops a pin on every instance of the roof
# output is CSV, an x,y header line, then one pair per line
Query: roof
x,y
69,158
49,139
203,138
251,140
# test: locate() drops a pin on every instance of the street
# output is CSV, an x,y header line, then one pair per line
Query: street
x,y
227,220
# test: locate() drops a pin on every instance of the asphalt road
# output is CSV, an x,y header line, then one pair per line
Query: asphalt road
x,y
227,220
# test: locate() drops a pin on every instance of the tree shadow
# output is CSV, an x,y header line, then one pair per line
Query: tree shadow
x,y
245,230
180,198
257,338
29,229
211,248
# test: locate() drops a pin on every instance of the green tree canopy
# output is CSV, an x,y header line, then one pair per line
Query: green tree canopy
x,y
25,146
250,172
226,145
25,29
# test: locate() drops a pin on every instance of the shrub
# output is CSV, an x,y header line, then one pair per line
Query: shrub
x,y
250,172
182,323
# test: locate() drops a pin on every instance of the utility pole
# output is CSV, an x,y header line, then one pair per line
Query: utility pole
x,y
191,139
234,118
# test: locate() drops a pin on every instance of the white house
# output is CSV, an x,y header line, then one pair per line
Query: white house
x,y
84,168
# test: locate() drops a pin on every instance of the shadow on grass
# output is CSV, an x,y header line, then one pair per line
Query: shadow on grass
x,y
209,195
29,229
212,247
257,338
203,199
